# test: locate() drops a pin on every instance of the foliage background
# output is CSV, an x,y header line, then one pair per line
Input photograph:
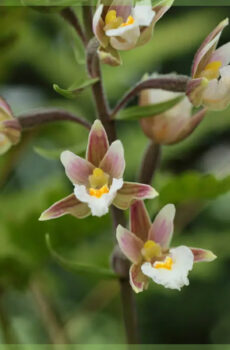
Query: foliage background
x,y
39,300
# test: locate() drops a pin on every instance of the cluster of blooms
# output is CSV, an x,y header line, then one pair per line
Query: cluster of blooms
x,y
98,183
98,179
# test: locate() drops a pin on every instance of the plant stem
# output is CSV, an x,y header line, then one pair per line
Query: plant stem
x,y
120,263
70,16
100,99
150,163
45,116
49,316
88,20
176,84
129,311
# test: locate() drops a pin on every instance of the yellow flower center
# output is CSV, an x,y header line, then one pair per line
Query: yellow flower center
x,y
212,70
150,250
100,192
98,183
166,264
130,20
113,22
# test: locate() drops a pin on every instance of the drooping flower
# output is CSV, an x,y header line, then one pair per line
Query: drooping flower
x,y
10,130
97,180
147,246
210,83
122,26
175,124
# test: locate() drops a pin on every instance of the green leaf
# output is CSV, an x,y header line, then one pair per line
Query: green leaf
x,y
138,112
76,88
56,152
78,267
193,186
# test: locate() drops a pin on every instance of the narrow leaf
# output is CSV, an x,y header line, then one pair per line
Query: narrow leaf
x,y
138,112
78,267
76,88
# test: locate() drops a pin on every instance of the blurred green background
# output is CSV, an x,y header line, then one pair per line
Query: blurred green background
x,y
40,302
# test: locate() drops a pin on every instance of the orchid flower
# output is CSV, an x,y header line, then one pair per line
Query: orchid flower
x,y
175,124
123,27
147,246
10,130
210,83
97,180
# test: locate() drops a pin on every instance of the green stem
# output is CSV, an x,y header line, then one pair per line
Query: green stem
x,y
88,20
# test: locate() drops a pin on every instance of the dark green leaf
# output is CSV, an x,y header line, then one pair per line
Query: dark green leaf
x,y
138,112
78,267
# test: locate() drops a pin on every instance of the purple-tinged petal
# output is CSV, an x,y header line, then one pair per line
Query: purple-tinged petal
x,y
109,56
113,162
161,9
222,54
98,26
202,255
139,220
137,279
98,144
122,7
207,48
129,244
68,205
77,169
193,123
161,230
132,191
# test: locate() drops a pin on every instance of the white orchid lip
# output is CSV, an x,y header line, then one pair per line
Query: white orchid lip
x,y
173,271
99,205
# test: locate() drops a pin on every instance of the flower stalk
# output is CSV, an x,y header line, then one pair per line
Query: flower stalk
x,y
170,83
127,295
70,16
150,162
45,116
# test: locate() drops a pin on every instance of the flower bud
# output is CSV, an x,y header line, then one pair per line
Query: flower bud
x,y
175,124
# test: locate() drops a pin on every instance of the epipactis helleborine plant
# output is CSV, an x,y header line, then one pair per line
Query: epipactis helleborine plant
x,y
175,124
98,180
122,26
210,83
147,246
10,129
